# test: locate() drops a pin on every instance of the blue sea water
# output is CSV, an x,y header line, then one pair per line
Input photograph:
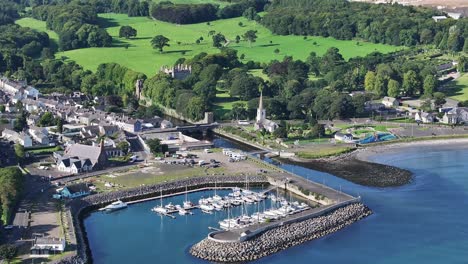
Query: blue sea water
x,y
423,222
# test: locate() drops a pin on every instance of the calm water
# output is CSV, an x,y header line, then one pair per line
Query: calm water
x,y
423,222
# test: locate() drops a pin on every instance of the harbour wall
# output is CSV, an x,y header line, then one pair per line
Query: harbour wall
x,y
263,229
281,237
80,208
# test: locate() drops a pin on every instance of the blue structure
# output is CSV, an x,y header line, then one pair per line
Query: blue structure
x,y
377,137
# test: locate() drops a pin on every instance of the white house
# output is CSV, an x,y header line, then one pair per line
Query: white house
x,y
20,138
424,117
390,102
10,87
31,91
458,115
45,246
40,135
74,165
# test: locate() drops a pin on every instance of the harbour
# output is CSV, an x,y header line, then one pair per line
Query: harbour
x,y
396,212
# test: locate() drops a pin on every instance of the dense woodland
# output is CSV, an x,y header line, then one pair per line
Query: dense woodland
x,y
8,12
196,13
75,24
390,24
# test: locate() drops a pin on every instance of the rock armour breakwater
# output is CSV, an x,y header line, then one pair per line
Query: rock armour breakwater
x,y
280,238
80,207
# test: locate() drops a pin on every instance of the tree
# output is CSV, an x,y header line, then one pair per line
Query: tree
x,y
430,85
238,39
276,51
156,147
250,13
47,119
281,132
239,110
8,252
439,98
250,36
127,32
19,152
59,125
20,123
369,81
219,40
462,64
393,88
2,108
410,82
159,42
123,146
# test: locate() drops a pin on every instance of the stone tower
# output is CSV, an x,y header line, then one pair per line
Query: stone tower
x,y
138,88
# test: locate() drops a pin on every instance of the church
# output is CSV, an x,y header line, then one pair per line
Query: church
x,y
261,121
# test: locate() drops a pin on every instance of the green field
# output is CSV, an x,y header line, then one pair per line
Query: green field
x,y
141,57
458,89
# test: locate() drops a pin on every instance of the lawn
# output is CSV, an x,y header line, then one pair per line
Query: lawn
x,y
140,56
458,89
324,152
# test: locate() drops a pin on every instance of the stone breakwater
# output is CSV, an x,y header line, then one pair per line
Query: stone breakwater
x,y
280,238
80,207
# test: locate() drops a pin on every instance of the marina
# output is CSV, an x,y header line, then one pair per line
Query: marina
x,y
397,212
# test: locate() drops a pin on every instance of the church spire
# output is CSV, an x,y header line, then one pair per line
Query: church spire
x,y
261,113
260,102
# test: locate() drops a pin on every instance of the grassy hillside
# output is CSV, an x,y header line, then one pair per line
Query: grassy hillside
x,y
141,57
458,89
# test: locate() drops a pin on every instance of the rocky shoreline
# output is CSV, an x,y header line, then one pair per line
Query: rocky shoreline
x,y
280,238
79,208
352,167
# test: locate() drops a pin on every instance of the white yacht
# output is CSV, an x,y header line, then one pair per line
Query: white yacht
x,y
170,207
159,210
182,211
217,198
117,205
218,206
188,205
206,207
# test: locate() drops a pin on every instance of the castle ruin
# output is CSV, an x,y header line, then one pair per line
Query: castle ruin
x,y
179,72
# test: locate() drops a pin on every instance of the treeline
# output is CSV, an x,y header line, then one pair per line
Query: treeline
x,y
129,7
75,24
8,12
11,185
196,13
383,23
